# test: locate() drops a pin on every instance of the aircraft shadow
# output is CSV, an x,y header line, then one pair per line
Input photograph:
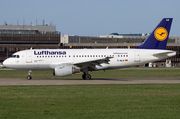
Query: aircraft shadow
x,y
103,79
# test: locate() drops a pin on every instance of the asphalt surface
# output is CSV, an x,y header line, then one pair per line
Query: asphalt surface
x,y
6,81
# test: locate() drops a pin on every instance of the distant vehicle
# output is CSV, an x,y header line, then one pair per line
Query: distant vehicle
x,y
65,62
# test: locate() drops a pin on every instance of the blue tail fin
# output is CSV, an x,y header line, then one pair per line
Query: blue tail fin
x,y
159,37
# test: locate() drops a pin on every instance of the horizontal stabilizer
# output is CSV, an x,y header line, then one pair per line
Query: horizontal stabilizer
x,y
164,53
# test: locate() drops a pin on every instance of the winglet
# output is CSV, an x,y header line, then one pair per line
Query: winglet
x,y
159,37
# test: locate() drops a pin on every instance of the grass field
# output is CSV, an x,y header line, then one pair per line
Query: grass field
x,y
143,101
134,101
122,73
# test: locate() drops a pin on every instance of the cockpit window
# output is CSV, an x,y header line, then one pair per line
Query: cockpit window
x,y
15,56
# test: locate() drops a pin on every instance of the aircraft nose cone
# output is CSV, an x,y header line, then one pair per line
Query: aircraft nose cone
x,y
6,63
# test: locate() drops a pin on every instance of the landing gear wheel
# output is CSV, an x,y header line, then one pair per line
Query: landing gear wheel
x,y
83,76
29,77
88,76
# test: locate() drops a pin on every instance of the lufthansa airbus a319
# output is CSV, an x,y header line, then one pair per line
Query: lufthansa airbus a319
x,y
65,62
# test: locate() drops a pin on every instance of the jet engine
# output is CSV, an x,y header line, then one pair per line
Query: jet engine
x,y
65,70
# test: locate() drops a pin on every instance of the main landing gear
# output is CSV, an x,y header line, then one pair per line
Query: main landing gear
x,y
29,75
86,75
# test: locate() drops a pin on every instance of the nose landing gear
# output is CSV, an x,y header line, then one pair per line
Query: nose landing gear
x,y
29,75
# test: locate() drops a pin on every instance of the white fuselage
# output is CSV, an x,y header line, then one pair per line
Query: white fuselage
x,y
47,59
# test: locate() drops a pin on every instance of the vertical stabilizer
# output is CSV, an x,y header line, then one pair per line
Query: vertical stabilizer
x,y
159,36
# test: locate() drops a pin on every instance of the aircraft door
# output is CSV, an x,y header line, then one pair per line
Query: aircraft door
x,y
137,56
28,56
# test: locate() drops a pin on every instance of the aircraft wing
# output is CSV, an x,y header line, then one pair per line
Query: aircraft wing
x,y
92,63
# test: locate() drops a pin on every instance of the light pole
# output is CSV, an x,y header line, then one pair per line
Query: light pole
x,y
7,51
95,44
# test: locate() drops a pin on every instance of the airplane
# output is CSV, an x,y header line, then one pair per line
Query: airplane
x,y
65,62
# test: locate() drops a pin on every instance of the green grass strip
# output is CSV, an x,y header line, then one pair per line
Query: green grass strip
x,y
137,101
122,73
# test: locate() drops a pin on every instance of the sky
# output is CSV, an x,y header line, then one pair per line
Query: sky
x,y
93,17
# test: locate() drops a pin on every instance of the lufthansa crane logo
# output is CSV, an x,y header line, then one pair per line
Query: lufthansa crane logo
x,y
160,33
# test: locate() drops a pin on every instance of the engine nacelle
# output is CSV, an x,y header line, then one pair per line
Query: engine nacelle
x,y
65,70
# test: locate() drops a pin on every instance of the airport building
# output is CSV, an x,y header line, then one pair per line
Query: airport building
x,y
121,41
14,38
123,38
